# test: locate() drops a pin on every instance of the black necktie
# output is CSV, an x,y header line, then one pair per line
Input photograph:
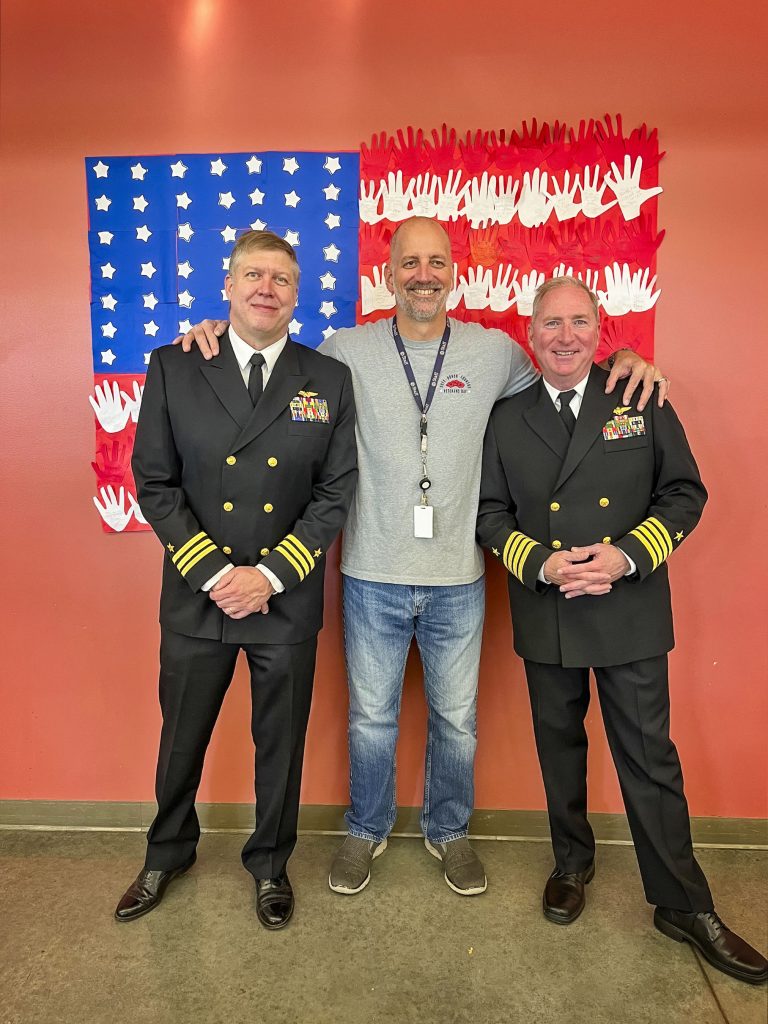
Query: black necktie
x,y
256,378
566,413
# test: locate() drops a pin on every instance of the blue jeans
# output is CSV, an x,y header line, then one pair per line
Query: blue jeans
x,y
380,620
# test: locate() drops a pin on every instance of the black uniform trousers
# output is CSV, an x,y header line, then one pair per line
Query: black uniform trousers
x,y
195,674
634,700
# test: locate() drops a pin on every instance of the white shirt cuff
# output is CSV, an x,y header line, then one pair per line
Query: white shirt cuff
x,y
215,579
277,586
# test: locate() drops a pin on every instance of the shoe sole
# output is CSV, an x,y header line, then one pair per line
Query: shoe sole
x,y
555,919
156,904
344,890
673,932
475,890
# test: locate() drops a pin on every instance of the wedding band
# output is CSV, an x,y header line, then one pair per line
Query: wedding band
x,y
661,380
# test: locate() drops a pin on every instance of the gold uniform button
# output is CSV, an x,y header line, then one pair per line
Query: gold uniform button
x,y
231,460
228,506
227,550
555,506
557,544
272,461
264,551
268,507
604,502
606,540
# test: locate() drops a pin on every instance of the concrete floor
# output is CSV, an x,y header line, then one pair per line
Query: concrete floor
x,y
406,949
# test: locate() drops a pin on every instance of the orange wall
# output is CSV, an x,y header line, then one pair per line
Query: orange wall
x,y
80,717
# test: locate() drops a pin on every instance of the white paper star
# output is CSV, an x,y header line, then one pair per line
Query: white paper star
x,y
183,200
108,330
253,165
218,167
327,281
292,199
256,197
295,327
184,326
151,328
328,332
332,164
138,172
185,231
331,193
225,263
150,301
333,220
140,203
291,165
331,253
186,299
108,357
259,225
292,238
228,234
226,199
109,302
148,269
185,269
105,237
101,169
146,358
179,169
103,203
108,270
143,233
327,309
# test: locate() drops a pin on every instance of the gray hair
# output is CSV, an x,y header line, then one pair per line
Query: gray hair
x,y
560,282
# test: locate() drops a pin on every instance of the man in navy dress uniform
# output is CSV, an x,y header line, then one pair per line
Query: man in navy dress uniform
x,y
245,468
583,501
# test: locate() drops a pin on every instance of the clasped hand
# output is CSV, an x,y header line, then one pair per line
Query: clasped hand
x,y
242,591
587,570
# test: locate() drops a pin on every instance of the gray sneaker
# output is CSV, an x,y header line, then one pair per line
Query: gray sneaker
x,y
351,867
464,871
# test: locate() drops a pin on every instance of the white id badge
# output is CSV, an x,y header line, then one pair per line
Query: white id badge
x,y
423,520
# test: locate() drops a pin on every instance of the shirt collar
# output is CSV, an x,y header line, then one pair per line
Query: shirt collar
x,y
554,393
243,351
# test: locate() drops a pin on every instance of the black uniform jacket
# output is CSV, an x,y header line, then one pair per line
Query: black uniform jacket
x,y
626,478
220,481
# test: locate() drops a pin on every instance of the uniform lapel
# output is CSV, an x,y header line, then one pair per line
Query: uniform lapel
x,y
223,374
284,383
543,420
595,409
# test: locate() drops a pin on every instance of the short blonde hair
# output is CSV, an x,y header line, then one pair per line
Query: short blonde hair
x,y
261,241
558,282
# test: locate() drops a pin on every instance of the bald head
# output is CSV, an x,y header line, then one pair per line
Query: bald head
x,y
420,275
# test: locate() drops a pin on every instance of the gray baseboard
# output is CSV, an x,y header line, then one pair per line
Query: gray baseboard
x,y
321,819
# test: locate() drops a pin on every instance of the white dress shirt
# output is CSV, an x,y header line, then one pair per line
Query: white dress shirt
x,y
243,352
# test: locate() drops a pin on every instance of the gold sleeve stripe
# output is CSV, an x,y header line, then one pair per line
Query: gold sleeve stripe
x,y
207,548
185,547
302,549
516,552
299,552
193,551
655,538
289,558
662,531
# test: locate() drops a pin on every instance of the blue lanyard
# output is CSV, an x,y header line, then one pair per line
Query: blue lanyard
x,y
423,407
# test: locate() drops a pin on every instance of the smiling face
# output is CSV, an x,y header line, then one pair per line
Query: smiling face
x,y
262,290
564,334
419,273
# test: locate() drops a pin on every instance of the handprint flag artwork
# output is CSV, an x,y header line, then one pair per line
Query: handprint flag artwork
x,y
519,207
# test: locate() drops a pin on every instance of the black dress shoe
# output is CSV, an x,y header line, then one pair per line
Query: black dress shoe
x,y
564,895
146,892
274,901
721,947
